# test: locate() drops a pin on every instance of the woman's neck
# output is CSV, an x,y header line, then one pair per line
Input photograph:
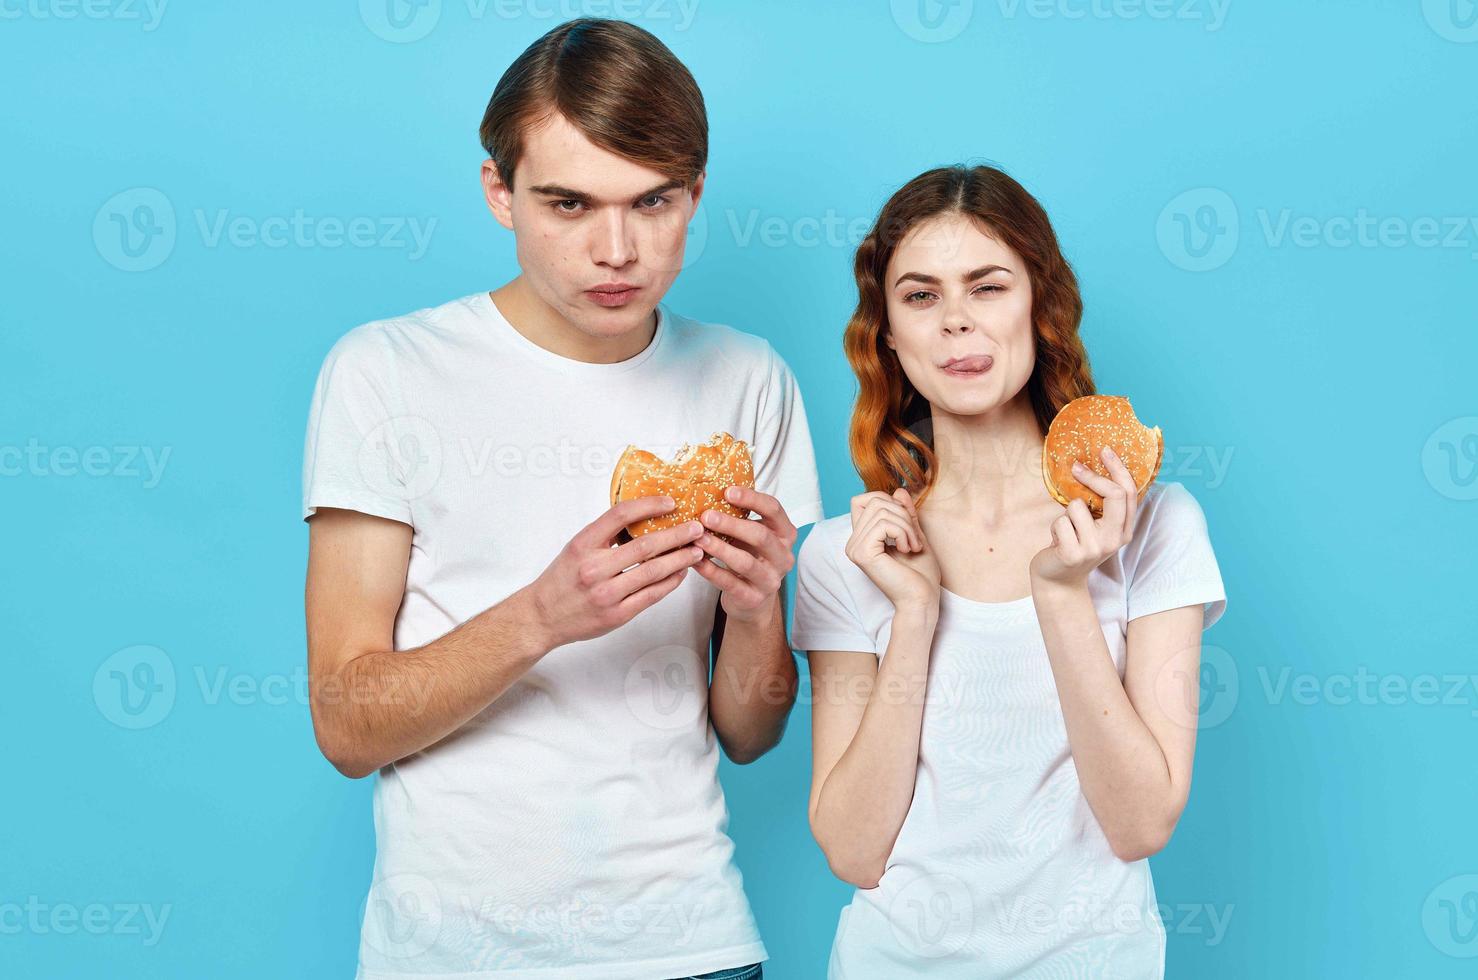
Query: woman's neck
x,y
989,465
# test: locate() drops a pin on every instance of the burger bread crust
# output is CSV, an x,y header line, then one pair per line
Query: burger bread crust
x,y
1078,434
695,479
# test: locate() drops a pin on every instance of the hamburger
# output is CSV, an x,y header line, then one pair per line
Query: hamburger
x,y
696,479
1079,433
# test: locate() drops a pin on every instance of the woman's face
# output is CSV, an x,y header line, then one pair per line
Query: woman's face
x,y
960,315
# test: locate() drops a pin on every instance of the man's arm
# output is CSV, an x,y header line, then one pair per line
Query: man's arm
x,y
754,682
754,676
373,704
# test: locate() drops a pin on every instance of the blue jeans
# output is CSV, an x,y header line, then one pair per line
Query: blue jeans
x,y
753,971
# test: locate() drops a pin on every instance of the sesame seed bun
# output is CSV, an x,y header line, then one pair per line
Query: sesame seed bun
x,y
1079,433
696,479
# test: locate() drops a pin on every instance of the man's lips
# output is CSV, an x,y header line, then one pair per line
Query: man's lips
x,y
968,367
612,293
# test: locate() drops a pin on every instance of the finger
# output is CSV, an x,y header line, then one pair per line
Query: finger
x,y
753,533
859,502
1125,479
603,530
1065,539
744,563
770,510
1082,520
643,598
886,526
634,579
727,581
913,513
649,546
887,505
1111,492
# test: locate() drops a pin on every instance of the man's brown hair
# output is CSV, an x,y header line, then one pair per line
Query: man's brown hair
x,y
613,81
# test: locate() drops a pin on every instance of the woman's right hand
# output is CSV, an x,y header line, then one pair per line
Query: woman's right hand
x,y
888,544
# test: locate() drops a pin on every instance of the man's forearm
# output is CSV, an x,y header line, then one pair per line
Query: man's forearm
x,y
385,705
754,685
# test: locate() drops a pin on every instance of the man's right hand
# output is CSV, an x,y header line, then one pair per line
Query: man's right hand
x,y
591,588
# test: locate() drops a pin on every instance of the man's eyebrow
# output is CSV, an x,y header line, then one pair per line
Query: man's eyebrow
x,y
929,280
569,194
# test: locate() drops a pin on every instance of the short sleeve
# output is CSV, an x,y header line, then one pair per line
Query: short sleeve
x,y
354,454
826,618
785,464
1173,562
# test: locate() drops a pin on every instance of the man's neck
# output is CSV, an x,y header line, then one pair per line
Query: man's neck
x,y
540,324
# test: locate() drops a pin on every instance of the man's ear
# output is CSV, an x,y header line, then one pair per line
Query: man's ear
x,y
698,189
499,195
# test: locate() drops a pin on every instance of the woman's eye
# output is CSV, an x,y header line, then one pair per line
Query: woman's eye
x,y
989,287
918,297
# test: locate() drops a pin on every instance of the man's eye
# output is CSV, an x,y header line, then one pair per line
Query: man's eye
x,y
653,202
567,207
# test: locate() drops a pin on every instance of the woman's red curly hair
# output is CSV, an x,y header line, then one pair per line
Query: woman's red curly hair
x,y
887,447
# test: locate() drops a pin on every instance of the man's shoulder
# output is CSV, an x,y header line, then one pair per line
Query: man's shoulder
x,y
692,337
379,343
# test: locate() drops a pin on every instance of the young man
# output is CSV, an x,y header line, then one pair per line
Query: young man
x,y
534,695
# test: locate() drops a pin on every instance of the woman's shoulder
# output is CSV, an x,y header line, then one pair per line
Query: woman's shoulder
x,y
826,542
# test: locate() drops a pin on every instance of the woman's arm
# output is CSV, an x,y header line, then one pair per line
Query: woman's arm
x,y
866,716
1133,741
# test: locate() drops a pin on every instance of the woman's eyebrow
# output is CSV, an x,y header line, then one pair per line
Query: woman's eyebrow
x,y
929,280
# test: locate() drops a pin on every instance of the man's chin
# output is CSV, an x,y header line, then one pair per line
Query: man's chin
x,y
611,321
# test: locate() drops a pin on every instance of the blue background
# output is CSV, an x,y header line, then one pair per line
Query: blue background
x,y
1335,382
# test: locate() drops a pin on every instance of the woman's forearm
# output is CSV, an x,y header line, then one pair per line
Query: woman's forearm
x,y
1121,767
866,796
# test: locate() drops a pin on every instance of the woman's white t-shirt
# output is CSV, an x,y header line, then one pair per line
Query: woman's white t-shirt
x,y
1000,868
574,829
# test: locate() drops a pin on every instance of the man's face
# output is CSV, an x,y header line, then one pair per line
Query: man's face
x,y
600,238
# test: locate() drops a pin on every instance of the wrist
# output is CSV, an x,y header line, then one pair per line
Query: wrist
x,y
532,623
918,608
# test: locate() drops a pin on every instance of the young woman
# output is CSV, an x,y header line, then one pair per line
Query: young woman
x,y
1004,689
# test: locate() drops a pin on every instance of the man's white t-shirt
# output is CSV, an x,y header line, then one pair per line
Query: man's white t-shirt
x,y
1000,868
575,828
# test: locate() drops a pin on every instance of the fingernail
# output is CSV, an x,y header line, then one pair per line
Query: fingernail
x,y
1110,453
695,528
732,493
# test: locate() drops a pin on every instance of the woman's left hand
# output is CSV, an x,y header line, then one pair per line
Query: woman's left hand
x,y
1079,542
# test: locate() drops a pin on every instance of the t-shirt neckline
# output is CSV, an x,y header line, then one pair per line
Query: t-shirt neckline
x,y
506,332
980,608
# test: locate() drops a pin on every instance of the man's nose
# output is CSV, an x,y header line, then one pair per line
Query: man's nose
x,y
614,243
